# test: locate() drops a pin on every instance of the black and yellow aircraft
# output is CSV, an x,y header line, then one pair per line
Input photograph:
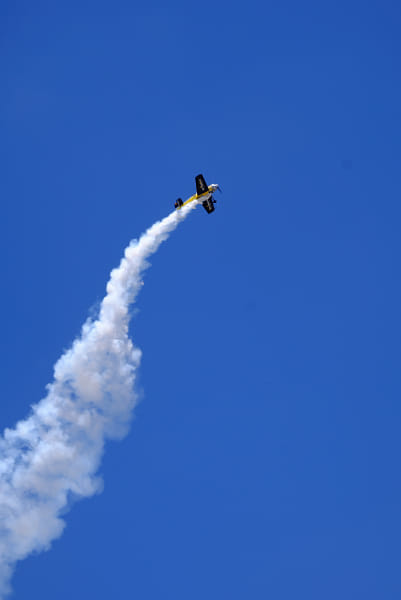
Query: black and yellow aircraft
x,y
204,195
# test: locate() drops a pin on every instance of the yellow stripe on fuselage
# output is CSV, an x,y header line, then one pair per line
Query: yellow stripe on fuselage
x,y
196,197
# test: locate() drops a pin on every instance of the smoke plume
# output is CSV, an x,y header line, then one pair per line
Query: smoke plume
x,y
51,458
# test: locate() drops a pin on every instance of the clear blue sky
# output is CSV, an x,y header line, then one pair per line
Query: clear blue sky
x,y
264,460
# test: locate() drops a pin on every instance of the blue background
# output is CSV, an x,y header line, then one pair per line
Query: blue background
x,y
264,460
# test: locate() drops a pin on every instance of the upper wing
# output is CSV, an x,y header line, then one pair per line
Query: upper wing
x,y
201,187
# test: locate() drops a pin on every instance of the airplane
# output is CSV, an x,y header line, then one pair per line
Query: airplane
x,y
204,195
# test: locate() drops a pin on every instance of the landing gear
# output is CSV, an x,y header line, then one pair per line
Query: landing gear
x,y
179,203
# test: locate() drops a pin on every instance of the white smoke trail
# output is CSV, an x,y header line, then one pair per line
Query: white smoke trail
x,y
52,457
